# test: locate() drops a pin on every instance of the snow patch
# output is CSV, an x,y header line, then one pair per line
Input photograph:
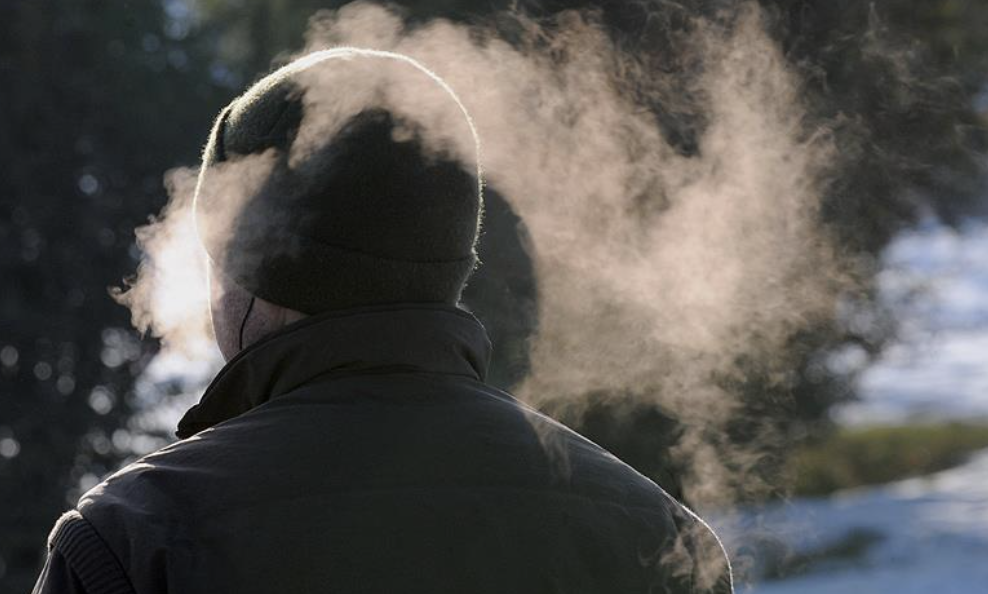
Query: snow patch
x,y
936,280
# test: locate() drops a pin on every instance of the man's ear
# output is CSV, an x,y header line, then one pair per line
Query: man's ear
x,y
262,318
239,318
228,307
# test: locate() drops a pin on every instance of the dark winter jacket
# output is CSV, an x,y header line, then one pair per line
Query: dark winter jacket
x,y
361,451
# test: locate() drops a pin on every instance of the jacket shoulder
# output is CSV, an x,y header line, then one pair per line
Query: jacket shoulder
x,y
80,560
137,517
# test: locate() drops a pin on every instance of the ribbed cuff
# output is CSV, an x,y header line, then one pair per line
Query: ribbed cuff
x,y
87,554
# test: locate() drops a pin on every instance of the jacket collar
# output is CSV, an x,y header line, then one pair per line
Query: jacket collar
x,y
431,338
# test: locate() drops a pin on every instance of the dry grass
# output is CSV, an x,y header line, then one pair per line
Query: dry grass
x,y
876,455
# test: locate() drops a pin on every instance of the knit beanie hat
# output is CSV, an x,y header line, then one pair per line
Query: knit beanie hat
x,y
367,216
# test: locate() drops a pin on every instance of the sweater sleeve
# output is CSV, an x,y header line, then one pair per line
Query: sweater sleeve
x,y
79,562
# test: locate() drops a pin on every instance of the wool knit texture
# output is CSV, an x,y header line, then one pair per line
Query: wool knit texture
x,y
365,218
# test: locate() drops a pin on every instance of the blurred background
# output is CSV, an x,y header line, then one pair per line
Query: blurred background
x,y
881,482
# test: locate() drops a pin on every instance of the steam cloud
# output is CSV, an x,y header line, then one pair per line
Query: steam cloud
x,y
657,271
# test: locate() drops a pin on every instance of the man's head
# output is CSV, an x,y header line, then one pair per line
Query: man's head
x,y
367,215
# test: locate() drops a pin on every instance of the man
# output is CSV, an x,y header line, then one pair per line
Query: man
x,y
350,444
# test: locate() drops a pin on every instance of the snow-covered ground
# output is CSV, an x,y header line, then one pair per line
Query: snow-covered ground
x,y
917,536
922,535
936,281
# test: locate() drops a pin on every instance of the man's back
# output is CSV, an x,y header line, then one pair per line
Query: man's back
x,y
362,452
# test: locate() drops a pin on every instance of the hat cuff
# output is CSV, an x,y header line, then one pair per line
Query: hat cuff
x,y
314,277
